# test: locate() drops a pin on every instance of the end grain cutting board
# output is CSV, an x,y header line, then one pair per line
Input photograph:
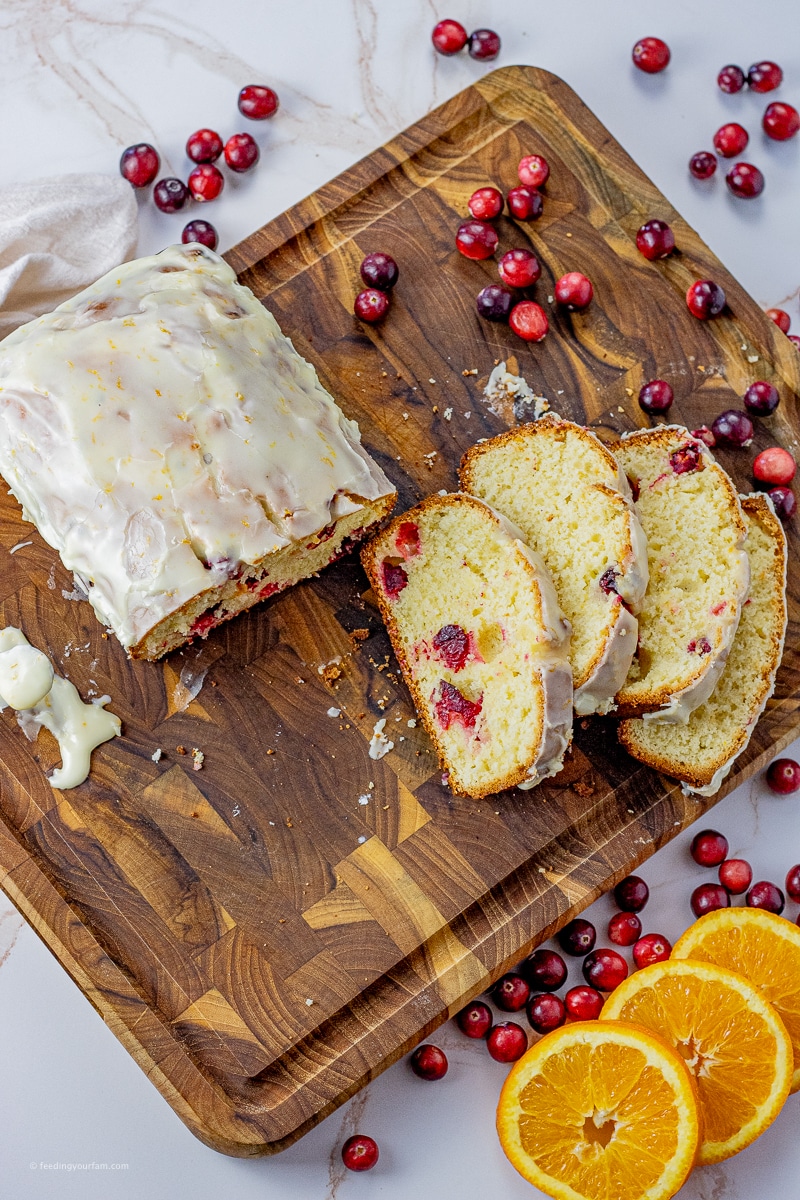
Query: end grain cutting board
x,y
268,933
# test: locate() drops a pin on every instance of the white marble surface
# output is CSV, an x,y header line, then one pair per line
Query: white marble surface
x,y
81,79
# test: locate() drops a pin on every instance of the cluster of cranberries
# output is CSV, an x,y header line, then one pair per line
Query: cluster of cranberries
x,y
380,273
779,122
140,164
450,37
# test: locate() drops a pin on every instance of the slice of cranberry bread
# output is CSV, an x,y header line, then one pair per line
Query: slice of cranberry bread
x,y
482,643
565,491
699,572
702,752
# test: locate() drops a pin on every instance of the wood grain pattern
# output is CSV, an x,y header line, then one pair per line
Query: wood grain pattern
x,y
267,934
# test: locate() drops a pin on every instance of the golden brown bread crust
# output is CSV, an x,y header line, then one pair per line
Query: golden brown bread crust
x,y
369,557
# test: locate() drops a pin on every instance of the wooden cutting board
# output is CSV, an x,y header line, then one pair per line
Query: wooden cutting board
x,y
268,933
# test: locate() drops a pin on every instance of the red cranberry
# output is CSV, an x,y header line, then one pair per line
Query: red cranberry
x,y
624,929
379,270
705,299
546,1012
453,706
708,897
703,164
745,181
730,79
529,321
652,948
360,1153
206,182
507,1042
519,268
583,1003
704,434
545,970
655,239
631,894
781,319
204,146
257,102
170,195
371,305
775,466
709,848
429,1062
608,582
764,76
451,643
736,875
650,54
393,575
783,776
699,646
241,152
793,882
656,396
761,398
783,499
200,231
780,121
767,896
574,291
604,969
476,239
732,428
533,170
524,203
485,204
578,938
494,302
449,37
484,45
139,164
475,1020
511,992
794,339
731,140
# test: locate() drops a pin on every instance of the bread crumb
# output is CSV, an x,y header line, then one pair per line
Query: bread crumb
x,y
584,790
331,671
198,758
470,371
181,749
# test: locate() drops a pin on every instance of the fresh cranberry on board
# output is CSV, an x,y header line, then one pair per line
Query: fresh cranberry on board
x,y
360,1153
533,170
449,37
494,302
429,1062
507,1042
476,239
511,992
139,164
379,270
781,319
656,396
170,195
524,203
730,140
483,45
708,897
651,55
258,102
783,776
578,937
371,305
731,79
544,970
475,1019
631,894
519,268
583,1003
485,204
241,152
546,1012
529,321
655,240
766,895
705,299
736,875
652,948
574,291
784,501
703,164
780,121
709,848
200,231
774,465
745,181
624,929
204,145
732,428
604,969
764,76
206,182
761,398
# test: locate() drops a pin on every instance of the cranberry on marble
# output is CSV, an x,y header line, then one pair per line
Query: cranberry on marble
x,y
709,848
204,146
476,239
139,164
631,894
475,1019
780,121
545,970
703,164
745,181
200,231
656,396
483,45
519,268
652,948
583,1003
736,875
379,270
241,152
449,37
651,54
507,1042
574,291
781,319
774,465
546,1012
511,992
258,102
764,76
708,897
429,1062
783,776
533,170
761,398
525,203
170,195
206,182
529,321
624,929
705,299
360,1153
578,937
485,204
732,428
655,240
604,969
793,882
794,339
783,498
730,140
766,895
371,305
731,79
494,302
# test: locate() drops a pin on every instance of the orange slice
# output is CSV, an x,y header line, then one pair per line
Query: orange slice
x,y
762,947
600,1110
730,1037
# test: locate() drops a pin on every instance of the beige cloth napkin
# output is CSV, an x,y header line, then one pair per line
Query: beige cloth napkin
x,y
57,236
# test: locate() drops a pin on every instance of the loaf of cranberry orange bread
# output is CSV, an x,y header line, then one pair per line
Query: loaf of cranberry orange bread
x,y
167,439
702,752
476,627
559,484
698,572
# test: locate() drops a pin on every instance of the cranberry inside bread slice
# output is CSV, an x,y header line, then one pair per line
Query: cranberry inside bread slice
x,y
476,627
702,752
698,572
565,491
